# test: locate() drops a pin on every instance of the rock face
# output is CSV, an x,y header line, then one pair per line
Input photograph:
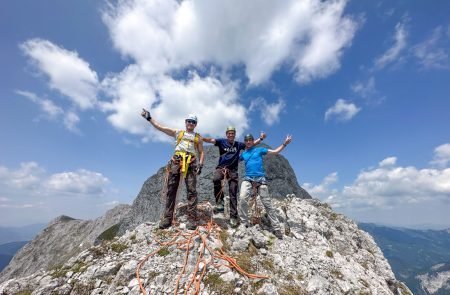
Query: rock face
x,y
437,280
60,240
321,253
149,203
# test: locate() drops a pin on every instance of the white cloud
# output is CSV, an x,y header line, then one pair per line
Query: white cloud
x,y
78,182
385,187
441,155
270,112
29,194
388,162
31,179
169,101
341,111
46,105
67,72
324,190
162,35
368,91
69,118
393,53
28,176
433,52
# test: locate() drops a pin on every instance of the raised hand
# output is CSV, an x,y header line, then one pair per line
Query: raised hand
x,y
146,114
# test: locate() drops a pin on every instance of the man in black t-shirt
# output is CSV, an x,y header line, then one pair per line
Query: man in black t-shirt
x,y
229,150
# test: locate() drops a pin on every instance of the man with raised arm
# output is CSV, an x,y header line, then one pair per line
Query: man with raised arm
x,y
255,179
188,146
229,151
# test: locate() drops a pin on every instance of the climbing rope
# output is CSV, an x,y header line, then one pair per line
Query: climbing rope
x,y
184,241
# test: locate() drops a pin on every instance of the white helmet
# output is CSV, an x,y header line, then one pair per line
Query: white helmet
x,y
192,117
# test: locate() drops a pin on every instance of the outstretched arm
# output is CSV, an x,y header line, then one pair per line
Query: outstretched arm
x,y
209,140
166,130
281,147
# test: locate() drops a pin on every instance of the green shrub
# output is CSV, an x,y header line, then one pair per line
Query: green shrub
x,y
118,247
329,254
163,251
109,234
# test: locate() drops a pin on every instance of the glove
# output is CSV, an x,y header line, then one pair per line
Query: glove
x,y
146,115
199,169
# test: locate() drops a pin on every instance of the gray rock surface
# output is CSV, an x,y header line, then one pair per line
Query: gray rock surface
x,y
60,240
325,253
149,203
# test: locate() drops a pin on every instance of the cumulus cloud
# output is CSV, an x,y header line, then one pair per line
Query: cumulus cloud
x,y
270,112
215,103
46,105
386,186
341,111
323,190
163,36
52,111
66,71
393,53
432,53
78,182
28,176
32,179
441,155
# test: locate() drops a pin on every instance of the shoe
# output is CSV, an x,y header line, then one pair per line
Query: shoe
x,y
278,234
165,223
219,208
234,222
191,225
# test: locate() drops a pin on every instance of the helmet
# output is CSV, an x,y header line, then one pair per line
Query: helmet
x,y
231,128
248,136
192,117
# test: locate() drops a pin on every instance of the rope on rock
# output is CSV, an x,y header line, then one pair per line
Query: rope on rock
x,y
183,241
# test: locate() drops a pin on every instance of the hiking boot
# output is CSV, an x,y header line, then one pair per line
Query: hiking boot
x,y
278,234
234,222
219,208
165,223
191,225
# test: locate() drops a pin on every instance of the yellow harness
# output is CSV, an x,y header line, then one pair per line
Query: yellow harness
x,y
185,156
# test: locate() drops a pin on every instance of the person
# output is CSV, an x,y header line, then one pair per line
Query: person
x,y
188,145
255,178
229,151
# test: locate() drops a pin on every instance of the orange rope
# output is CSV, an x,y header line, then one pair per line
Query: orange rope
x,y
185,244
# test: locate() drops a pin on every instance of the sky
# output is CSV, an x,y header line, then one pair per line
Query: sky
x,y
362,86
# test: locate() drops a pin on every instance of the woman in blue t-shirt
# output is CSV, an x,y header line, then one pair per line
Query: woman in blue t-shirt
x,y
255,178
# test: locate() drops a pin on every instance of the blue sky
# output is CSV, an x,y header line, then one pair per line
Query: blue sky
x,y
363,87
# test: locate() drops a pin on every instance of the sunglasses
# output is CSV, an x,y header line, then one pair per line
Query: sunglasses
x,y
248,139
191,122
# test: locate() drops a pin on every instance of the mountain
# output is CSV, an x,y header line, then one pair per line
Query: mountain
x,y
416,256
7,251
22,233
321,253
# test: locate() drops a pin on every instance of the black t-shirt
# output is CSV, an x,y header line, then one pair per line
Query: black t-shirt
x,y
229,153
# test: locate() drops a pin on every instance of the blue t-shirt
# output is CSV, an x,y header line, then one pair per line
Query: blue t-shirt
x,y
253,159
229,153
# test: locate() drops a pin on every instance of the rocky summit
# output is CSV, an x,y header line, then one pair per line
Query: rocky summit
x,y
322,252
124,252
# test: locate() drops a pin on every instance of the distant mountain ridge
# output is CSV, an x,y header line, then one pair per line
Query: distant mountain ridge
x,y
20,233
7,251
415,255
